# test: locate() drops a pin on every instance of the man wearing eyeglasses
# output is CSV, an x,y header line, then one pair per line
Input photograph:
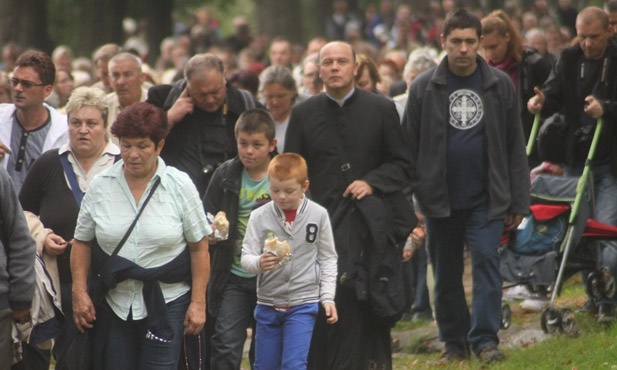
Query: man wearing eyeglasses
x,y
29,127
202,110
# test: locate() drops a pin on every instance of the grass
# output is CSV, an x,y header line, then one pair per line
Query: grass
x,y
594,348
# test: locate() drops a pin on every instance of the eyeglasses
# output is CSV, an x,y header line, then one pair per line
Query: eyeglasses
x,y
24,83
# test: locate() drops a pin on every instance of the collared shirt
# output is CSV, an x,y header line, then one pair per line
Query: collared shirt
x,y
280,130
104,161
173,218
26,147
115,108
340,102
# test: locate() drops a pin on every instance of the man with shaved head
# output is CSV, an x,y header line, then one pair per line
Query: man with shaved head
x,y
583,87
354,147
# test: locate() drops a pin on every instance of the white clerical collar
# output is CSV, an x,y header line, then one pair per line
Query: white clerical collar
x,y
340,102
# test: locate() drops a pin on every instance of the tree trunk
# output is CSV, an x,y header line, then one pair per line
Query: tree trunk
x,y
25,22
100,22
280,17
322,10
159,26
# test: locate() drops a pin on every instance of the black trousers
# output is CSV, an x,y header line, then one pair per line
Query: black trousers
x,y
358,341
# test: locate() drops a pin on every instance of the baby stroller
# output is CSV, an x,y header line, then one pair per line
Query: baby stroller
x,y
558,240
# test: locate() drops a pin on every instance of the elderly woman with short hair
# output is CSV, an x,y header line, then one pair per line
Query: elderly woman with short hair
x,y
48,190
52,191
278,91
155,287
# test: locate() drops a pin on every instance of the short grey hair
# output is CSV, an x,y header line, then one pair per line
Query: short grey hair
x,y
279,75
86,96
126,56
203,62
532,33
106,52
419,60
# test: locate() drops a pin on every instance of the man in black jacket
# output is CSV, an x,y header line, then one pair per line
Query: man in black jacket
x,y
202,110
583,87
470,178
364,127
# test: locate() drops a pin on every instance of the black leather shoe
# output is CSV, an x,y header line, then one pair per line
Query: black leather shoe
x,y
491,354
606,313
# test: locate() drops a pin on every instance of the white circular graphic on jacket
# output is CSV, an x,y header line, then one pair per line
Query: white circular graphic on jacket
x,y
466,109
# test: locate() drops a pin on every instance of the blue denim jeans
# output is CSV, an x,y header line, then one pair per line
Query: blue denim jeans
x,y
415,285
422,303
235,316
459,329
283,337
127,347
605,185
605,191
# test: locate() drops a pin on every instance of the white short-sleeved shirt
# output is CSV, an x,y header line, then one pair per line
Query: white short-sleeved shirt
x,y
173,217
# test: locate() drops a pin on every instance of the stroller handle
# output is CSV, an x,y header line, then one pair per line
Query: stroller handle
x,y
582,181
534,134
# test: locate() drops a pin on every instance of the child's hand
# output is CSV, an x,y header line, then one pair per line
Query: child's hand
x,y
331,314
268,261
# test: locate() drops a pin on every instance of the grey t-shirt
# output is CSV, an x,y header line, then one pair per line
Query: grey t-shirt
x,y
26,147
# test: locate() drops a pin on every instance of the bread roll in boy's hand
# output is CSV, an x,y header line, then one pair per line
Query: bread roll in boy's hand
x,y
278,248
220,224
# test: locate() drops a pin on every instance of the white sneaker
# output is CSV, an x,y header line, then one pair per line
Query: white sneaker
x,y
534,304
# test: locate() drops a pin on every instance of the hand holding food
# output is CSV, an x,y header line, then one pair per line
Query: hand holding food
x,y
220,225
278,248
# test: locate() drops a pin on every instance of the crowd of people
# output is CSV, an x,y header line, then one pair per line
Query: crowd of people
x,y
117,174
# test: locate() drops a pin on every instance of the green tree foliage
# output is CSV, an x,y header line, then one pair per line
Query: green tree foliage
x,y
86,24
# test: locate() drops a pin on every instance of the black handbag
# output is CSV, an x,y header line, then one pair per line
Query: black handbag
x,y
76,353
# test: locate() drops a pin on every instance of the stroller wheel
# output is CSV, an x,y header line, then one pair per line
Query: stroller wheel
x,y
550,320
506,315
609,284
595,284
568,322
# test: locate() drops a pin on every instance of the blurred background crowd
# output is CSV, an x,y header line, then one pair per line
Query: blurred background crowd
x,y
384,32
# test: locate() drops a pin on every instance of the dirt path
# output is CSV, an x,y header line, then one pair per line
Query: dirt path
x,y
524,331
